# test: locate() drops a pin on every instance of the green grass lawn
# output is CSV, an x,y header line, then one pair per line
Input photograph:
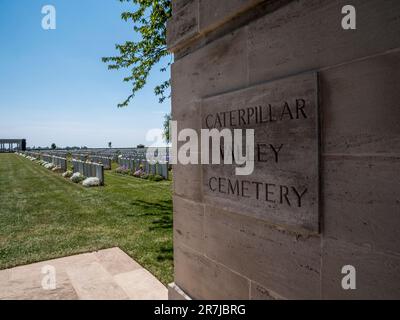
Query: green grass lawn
x,y
44,216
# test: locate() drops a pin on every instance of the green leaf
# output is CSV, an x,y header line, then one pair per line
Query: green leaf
x,y
149,21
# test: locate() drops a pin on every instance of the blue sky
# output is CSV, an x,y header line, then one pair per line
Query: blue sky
x,y
53,85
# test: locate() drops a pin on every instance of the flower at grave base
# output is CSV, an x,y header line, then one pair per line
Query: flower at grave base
x,y
138,173
67,174
77,177
49,166
91,182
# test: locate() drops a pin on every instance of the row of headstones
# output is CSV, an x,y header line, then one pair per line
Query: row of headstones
x,y
150,155
60,162
162,155
57,161
133,153
47,158
134,165
62,154
111,156
151,150
111,153
86,169
32,154
81,157
89,169
105,161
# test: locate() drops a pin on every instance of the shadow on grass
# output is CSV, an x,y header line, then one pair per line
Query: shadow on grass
x,y
166,253
161,210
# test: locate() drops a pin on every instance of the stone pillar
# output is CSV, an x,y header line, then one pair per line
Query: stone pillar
x,y
327,98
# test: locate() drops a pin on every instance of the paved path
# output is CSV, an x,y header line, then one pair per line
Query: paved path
x,y
105,274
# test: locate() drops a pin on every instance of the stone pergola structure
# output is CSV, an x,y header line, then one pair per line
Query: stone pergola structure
x,y
11,145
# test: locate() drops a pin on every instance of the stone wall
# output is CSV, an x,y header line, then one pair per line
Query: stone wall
x,y
225,46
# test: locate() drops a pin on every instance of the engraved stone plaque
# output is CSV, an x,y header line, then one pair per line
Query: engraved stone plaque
x,y
284,186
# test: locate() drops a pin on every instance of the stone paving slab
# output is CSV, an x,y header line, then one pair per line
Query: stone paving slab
x,y
108,274
140,284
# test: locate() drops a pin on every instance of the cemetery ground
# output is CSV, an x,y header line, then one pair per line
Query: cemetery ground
x,y
44,216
